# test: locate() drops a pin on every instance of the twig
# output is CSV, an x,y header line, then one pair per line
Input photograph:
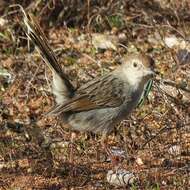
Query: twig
x,y
157,134
172,83
92,59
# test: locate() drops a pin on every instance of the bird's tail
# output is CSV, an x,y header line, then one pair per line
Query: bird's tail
x,y
62,87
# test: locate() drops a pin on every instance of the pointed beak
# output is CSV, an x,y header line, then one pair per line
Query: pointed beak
x,y
149,73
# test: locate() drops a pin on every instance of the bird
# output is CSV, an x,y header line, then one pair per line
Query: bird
x,y
100,104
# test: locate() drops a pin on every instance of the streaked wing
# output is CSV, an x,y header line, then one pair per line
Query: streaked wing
x,y
106,91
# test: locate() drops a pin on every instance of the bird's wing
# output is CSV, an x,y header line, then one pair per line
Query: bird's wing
x,y
107,91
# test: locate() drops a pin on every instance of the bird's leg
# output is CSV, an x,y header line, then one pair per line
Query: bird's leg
x,y
105,145
114,160
71,146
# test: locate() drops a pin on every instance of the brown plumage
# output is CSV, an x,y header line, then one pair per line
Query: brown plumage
x,y
99,104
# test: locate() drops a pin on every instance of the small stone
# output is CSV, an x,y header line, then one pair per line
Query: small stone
x,y
103,41
121,178
171,41
3,22
139,161
175,150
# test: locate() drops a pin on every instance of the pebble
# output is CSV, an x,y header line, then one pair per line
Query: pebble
x,y
121,178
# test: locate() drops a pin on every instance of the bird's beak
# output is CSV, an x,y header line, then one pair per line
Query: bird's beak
x,y
149,73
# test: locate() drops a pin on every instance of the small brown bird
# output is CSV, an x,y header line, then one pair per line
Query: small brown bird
x,y
101,103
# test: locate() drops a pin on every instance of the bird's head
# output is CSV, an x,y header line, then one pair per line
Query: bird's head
x,y
138,68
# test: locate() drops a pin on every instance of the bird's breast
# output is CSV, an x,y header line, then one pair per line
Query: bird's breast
x,y
129,104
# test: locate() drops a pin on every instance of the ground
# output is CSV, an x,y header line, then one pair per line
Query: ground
x,y
35,149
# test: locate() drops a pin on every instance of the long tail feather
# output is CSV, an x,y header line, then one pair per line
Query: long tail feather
x,y
36,35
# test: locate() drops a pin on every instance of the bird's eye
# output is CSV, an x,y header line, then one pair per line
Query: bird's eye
x,y
134,64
